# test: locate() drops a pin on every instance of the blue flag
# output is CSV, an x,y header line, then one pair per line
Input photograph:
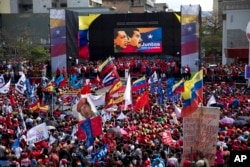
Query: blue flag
x,y
15,145
170,82
78,84
59,79
72,79
87,128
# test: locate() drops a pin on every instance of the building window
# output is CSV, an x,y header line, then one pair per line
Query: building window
x,y
63,5
231,18
26,7
53,5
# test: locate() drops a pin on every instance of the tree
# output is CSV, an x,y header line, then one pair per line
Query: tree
x,y
22,46
211,34
39,53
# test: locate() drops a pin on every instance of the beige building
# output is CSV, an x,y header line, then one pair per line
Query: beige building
x,y
234,15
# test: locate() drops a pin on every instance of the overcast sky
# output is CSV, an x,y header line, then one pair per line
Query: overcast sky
x,y
206,5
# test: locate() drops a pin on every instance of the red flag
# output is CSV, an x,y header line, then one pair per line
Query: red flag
x,y
86,89
142,101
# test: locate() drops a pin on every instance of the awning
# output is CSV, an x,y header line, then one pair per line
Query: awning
x,y
240,53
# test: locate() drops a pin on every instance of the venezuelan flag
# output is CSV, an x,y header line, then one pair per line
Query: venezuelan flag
x,y
83,40
106,66
192,94
178,87
139,84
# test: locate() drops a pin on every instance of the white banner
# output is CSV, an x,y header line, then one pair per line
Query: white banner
x,y
5,89
37,133
2,81
20,86
98,100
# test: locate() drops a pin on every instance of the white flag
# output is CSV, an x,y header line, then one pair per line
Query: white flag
x,y
74,131
127,94
5,89
121,116
2,81
22,119
177,111
211,101
20,86
37,133
52,139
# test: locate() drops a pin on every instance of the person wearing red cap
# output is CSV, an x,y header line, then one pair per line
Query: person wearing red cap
x,y
84,108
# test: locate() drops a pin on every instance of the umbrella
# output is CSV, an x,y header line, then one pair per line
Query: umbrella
x,y
123,132
52,123
51,127
227,120
239,122
117,131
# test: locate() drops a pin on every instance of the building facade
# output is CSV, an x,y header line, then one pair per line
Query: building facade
x,y
235,16
43,6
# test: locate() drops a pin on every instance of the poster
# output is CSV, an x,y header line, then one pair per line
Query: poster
x,y
200,131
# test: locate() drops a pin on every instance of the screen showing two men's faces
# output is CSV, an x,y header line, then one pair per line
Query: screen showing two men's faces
x,y
133,40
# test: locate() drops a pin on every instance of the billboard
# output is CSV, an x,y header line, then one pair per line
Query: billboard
x,y
133,40
157,33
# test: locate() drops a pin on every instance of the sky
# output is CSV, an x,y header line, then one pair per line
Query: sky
x,y
206,5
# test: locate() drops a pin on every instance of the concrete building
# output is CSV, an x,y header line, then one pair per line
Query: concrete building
x,y
43,6
235,16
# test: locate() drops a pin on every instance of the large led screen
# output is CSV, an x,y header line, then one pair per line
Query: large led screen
x,y
144,34
133,40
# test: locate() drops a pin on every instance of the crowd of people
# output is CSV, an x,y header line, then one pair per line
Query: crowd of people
x,y
140,144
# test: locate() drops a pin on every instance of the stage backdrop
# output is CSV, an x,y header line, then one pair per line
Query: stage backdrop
x,y
160,34
58,39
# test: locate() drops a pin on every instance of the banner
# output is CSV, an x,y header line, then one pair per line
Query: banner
x,y
20,86
37,133
2,81
5,89
190,44
167,138
58,39
102,152
98,100
247,72
200,131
